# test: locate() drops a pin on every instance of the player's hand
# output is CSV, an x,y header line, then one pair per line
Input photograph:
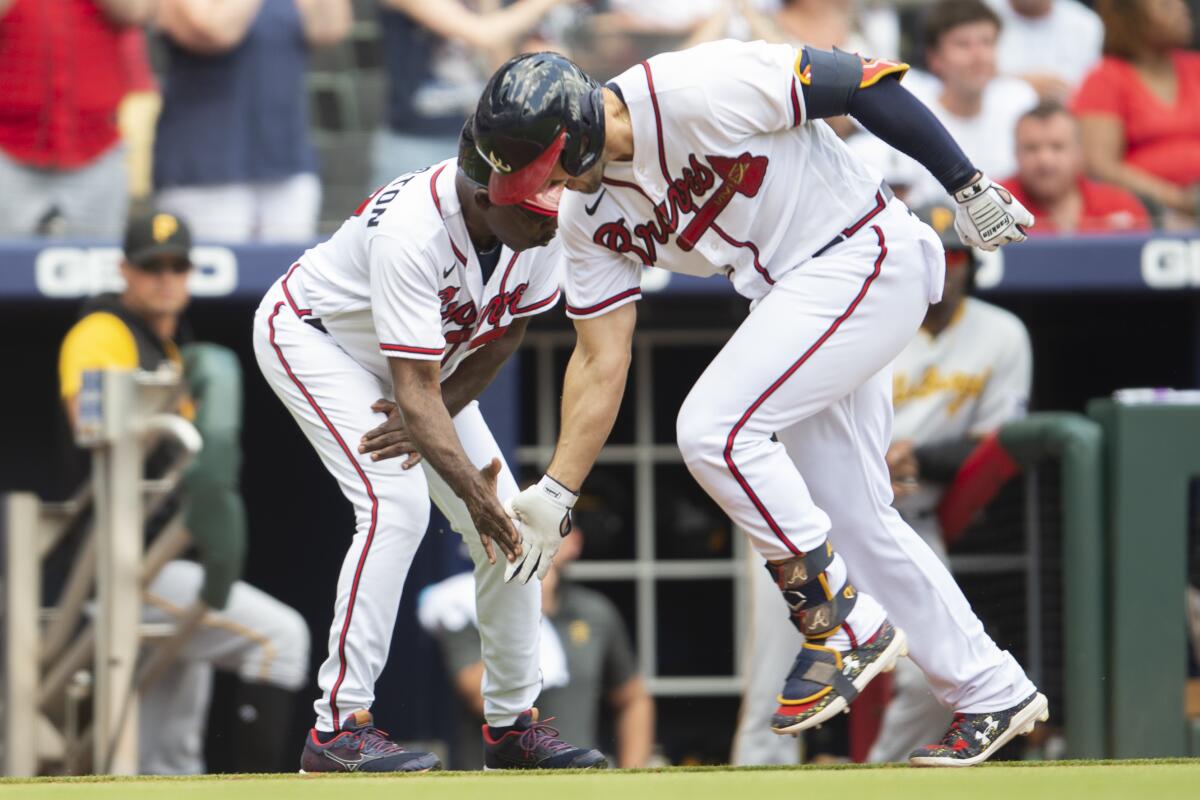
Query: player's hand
x,y
543,513
490,518
903,468
389,439
988,216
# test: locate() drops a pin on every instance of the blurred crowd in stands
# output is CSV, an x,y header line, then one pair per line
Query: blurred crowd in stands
x,y
204,108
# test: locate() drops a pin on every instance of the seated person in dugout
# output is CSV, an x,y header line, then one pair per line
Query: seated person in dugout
x,y
243,629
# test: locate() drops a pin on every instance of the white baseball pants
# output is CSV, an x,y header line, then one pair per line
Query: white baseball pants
x,y
329,394
787,430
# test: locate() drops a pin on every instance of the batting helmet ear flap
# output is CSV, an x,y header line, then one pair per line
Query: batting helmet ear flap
x,y
586,143
470,163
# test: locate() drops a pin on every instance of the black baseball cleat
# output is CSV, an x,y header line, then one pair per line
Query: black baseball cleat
x,y
973,738
361,747
823,681
530,744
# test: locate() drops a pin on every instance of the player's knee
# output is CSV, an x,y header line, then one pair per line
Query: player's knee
x,y
698,439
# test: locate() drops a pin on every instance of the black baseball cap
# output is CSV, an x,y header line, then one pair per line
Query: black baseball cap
x,y
155,235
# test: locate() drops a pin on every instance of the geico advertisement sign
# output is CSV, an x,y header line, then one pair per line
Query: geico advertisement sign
x,y
85,271
1171,263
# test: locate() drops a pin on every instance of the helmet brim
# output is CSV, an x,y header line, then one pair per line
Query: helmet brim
x,y
508,188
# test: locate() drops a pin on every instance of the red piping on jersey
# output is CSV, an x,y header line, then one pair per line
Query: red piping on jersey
x,y
603,304
662,153
537,306
749,246
484,338
880,204
404,348
508,269
300,312
438,205
796,115
362,559
762,398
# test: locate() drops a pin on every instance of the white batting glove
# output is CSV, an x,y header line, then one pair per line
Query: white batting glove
x,y
989,216
543,515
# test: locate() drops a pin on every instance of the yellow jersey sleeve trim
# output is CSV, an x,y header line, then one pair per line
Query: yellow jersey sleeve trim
x,y
803,75
98,341
875,70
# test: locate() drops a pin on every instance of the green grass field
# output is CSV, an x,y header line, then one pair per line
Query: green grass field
x,y
1160,780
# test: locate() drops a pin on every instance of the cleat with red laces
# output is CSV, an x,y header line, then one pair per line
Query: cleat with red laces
x,y
361,747
973,738
530,744
823,681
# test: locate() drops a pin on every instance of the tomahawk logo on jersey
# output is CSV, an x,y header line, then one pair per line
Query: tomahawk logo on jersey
x,y
400,277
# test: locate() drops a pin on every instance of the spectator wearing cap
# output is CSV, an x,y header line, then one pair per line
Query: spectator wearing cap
x,y
1051,184
242,629
438,55
1051,44
1140,107
62,77
979,108
233,152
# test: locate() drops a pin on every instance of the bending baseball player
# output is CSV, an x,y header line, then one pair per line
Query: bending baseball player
x,y
422,295
716,161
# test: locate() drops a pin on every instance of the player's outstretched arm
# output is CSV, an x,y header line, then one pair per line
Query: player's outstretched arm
x,y
835,83
418,392
592,391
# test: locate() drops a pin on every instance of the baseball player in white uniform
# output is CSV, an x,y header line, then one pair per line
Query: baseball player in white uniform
x,y
965,374
421,295
715,161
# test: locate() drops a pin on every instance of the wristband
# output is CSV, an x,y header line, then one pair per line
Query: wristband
x,y
557,492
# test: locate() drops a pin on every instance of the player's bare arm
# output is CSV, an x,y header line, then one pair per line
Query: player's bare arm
x,y
391,439
836,83
592,391
419,396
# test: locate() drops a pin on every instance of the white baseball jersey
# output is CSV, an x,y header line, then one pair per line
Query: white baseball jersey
x,y
401,278
728,177
967,381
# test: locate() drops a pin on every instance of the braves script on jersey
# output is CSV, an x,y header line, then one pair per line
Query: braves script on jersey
x,y
424,297
727,177
787,428
401,279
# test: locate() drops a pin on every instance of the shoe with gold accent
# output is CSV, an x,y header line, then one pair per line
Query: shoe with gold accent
x,y
973,738
823,681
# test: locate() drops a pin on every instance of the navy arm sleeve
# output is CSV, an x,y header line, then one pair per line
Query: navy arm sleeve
x,y
892,113
836,83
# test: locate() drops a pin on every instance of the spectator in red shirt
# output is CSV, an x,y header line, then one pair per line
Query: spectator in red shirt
x,y
1051,184
1140,107
62,79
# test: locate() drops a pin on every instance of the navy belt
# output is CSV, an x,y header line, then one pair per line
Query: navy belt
x,y
316,323
882,197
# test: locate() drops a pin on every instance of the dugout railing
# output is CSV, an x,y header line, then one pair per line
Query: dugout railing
x,y
73,669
